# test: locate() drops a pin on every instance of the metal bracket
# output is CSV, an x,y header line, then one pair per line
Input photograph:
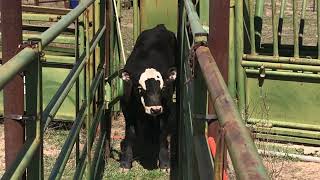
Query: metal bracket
x,y
18,117
206,117
262,75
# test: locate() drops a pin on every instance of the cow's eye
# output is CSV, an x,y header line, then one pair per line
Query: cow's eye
x,y
140,90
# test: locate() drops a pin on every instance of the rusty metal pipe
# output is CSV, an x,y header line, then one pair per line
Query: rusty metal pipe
x,y
243,153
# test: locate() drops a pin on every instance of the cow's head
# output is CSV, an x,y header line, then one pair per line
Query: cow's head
x,y
150,86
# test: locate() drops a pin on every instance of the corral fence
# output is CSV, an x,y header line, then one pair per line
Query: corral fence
x,y
88,75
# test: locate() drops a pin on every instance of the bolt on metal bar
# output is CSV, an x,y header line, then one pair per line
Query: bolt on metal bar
x,y
240,145
65,152
198,32
293,67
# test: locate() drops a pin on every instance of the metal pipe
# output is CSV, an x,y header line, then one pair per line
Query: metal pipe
x,y
41,17
16,64
45,10
297,156
240,145
81,165
65,152
119,35
198,32
275,29
284,74
50,34
293,67
239,53
59,39
318,26
282,59
135,20
288,124
295,28
232,53
252,30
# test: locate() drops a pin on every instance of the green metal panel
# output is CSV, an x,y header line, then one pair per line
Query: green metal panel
x,y
285,101
153,12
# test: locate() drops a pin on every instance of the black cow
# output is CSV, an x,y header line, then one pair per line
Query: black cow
x,y
149,77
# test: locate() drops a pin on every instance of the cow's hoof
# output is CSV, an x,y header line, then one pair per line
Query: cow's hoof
x,y
124,170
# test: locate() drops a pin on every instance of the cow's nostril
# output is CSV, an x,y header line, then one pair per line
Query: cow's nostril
x,y
155,110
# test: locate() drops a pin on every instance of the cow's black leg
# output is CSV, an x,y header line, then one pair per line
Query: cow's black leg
x,y
164,160
127,153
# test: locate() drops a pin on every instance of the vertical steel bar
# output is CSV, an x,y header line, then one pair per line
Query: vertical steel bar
x,y
275,29
318,26
87,86
232,63
13,92
239,53
295,28
280,24
135,20
77,88
302,21
34,109
258,20
252,35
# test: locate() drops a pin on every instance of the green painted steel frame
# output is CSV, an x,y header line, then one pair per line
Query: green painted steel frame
x,y
290,68
29,61
195,161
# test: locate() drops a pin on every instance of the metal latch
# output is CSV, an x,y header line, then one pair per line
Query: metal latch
x,y
18,117
206,117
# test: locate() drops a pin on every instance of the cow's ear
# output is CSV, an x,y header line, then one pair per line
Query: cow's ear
x,y
172,74
124,75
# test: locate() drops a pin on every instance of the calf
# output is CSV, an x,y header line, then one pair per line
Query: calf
x,y
149,77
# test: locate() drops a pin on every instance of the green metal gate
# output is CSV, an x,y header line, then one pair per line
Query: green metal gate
x,y
277,62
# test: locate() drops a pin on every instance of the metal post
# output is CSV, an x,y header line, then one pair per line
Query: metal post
x,y
13,91
219,45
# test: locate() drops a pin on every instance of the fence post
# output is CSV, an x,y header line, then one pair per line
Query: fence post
x,y
11,16
218,42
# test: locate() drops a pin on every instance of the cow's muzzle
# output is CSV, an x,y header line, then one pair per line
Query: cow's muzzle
x,y
153,110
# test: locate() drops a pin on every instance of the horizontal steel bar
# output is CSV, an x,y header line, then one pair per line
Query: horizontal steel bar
x,y
53,58
41,17
198,32
281,59
65,152
269,137
293,67
238,139
57,65
57,100
287,132
23,159
284,124
62,39
45,10
16,65
42,28
49,35
284,74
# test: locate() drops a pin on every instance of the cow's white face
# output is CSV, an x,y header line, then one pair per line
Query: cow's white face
x,y
150,87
